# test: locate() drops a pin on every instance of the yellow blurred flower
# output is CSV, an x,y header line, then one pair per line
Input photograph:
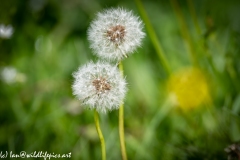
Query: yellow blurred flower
x,y
189,88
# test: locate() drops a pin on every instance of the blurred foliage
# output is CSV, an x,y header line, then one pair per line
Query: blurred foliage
x,y
39,113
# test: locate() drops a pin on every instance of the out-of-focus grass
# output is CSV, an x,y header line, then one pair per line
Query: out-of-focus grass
x,y
39,113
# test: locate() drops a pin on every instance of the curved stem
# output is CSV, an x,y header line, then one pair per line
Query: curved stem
x,y
96,118
184,31
153,37
121,124
150,131
194,16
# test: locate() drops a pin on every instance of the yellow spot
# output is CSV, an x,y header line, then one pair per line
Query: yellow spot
x,y
189,88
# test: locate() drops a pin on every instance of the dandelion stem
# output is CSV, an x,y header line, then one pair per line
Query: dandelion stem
x,y
121,124
96,118
153,37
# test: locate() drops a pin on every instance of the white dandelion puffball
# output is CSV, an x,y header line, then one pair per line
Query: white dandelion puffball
x,y
115,34
99,86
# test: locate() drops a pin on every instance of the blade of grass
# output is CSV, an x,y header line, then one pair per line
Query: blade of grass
x,y
184,31
194,16
150,130
153,37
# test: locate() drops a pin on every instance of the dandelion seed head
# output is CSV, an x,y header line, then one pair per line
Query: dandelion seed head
x,y
115,33
100,86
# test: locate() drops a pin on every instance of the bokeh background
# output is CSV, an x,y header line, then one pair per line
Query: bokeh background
x,y
190,111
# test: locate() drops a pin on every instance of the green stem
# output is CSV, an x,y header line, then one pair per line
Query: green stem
x,y
184,30
96,118
150,131
194,16
121,124
202,42
153,37
159,116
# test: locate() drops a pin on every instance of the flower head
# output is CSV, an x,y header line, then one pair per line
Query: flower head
x,y
189,88
99,86
115,33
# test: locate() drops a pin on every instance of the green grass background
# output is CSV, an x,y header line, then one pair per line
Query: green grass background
x,y
39,113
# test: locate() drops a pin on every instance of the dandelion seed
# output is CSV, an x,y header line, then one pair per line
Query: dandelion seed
x,y
115,33
99,86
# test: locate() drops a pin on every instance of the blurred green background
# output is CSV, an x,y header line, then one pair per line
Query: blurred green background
x,y
39,113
